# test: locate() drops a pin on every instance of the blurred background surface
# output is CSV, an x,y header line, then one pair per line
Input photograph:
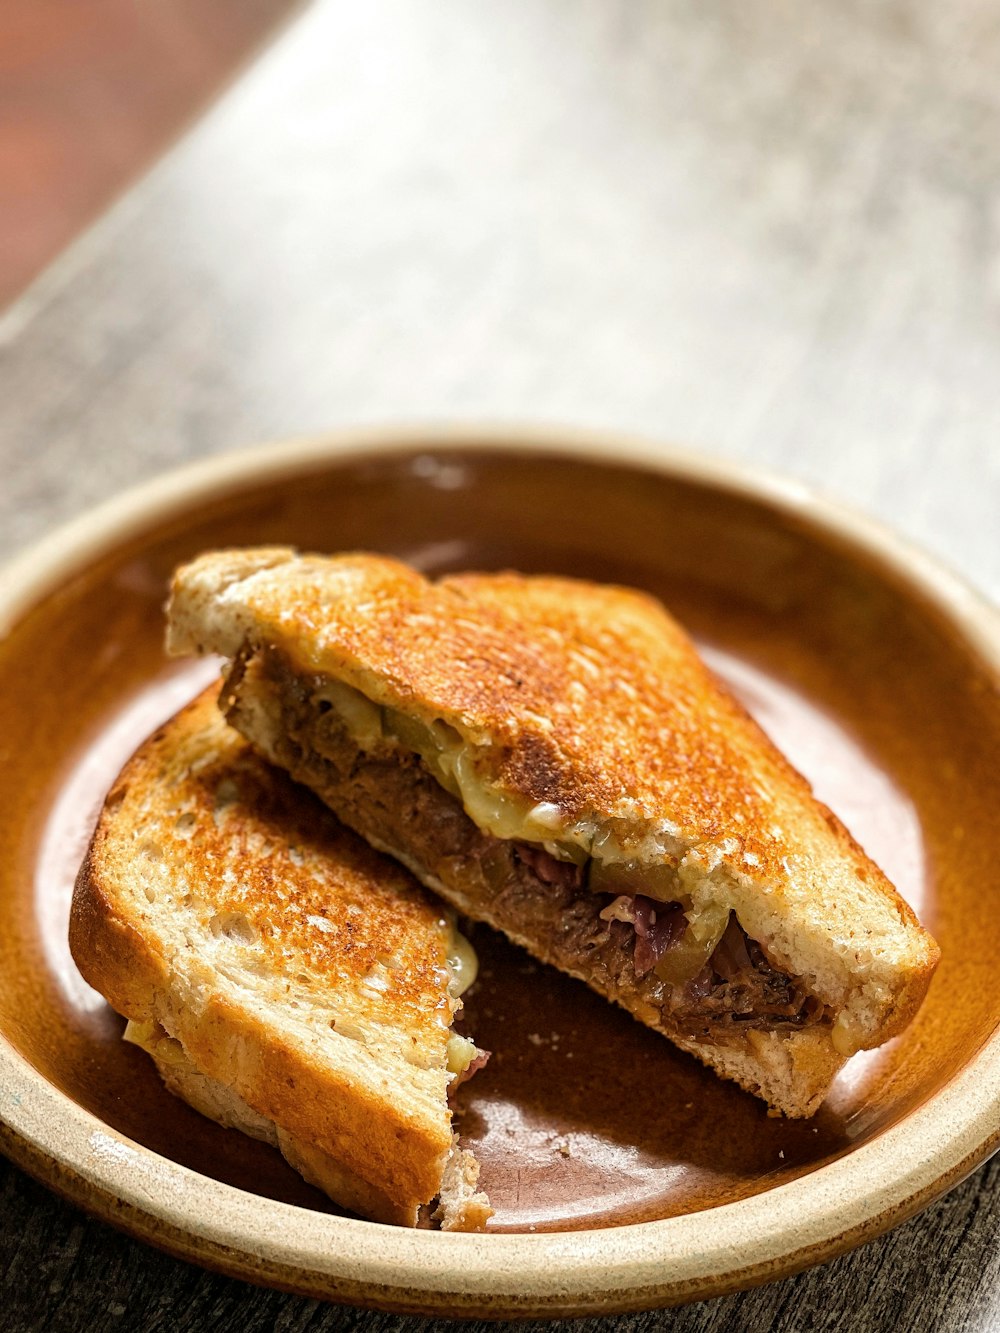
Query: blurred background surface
x,y
90,92
769,230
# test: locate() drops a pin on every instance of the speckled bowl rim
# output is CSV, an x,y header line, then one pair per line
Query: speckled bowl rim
x,y
709,1253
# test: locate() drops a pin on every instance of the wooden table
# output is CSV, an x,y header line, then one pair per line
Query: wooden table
x,y
770,230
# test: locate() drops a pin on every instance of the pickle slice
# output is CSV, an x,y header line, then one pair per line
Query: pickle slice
x,y
632,877
567,851
684,960
434,744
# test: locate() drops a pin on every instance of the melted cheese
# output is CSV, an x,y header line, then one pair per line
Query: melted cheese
x,y
463,963
461,1053
362,717
848,1035
452,762
155,1041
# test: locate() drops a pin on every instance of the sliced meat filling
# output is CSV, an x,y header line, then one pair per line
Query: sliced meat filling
x,y
737,985
618,944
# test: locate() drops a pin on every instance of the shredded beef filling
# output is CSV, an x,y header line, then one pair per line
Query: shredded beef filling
x,y
613,943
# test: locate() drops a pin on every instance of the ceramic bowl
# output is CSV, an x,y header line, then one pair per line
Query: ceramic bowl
x,y
623,1174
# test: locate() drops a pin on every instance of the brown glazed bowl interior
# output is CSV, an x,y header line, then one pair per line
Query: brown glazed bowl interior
x,y
623,1174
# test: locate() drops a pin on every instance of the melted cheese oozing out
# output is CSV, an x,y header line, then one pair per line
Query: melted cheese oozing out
x,y
499,812
362,718
152,1039
461,1053
848,1035
464,966
463,963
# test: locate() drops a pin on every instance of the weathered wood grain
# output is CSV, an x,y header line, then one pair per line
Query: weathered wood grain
x,y
62,1272
769,229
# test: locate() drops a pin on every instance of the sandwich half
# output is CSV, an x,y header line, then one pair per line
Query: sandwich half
x,y
287,980
554,759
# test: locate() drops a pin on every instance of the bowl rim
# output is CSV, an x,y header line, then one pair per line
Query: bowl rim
x,y
763,1237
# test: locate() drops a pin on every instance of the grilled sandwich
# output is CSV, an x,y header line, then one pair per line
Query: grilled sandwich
x,y
287,980
553,758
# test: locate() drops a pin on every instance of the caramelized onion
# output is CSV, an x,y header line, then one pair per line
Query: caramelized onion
x,y
659,929
548,868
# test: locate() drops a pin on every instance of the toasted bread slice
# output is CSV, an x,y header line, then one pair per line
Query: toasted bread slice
x,y
555,759
287,980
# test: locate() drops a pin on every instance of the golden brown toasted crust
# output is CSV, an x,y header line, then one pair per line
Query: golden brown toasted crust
x,y
326,1170
699,759
295,965
591,699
